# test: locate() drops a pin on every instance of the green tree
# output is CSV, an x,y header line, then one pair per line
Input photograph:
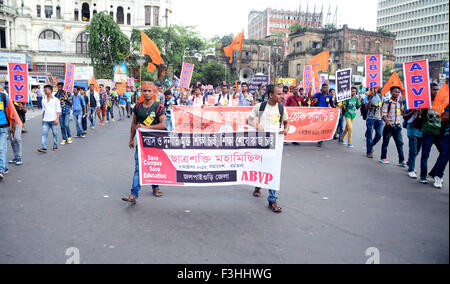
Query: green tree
x,y
296,28
107,45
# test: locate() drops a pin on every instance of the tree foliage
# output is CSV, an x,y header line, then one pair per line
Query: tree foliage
x,y
107,45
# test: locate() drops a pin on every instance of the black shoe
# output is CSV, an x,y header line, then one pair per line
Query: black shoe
x,y
320,144
55,148
274,207
42,150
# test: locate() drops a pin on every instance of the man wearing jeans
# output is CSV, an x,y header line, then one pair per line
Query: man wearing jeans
x,y
373,104
78,111
66,107
392,115
94,104
50,117
438,171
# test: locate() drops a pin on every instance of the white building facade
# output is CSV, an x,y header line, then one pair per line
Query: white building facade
x,y
421,28
52,32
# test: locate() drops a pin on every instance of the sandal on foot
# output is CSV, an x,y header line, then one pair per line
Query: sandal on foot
x,y
274,207
157,193
130,199
257,192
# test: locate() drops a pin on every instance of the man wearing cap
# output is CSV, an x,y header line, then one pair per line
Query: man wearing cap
x,y
148,114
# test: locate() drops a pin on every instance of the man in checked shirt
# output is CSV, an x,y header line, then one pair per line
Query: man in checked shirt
x,y
392,115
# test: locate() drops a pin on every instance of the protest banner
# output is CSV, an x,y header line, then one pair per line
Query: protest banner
x,y
120,72
374,71
69,78
306,124
417,84
343,85
308,79
18,82
130,82
186,75
286,81
210,159
83,73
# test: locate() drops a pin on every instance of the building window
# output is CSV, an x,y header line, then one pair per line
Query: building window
x,y
2,38
94,12
85,12
82,44
377,47
49,35
48,11
367,46
38,10
58,12
354,44
76,15
156,16
148,15
129,19
111,14
120,16
299,69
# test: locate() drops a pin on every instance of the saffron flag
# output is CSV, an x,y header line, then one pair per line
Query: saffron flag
x,y
149,48
18,82
320,62
417,84
69,78
96,87
374,71
237,44
393,81
441,100
151,68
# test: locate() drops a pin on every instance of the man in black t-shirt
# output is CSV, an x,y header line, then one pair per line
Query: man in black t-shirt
x,y
147,115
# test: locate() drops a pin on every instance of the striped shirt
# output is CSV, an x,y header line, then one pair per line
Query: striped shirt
x,y
394,113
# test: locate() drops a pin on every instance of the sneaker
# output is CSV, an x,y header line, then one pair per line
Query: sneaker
x,y
92,127
402,164
350,146
341,142
113,120
423,181
13,161
6,171
69,140
42,150
55,148
384,161
437,182
83,136
412,175
1,176
63,142
19,161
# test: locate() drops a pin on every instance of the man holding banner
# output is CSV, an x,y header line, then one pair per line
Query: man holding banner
x,y
149,114
271,116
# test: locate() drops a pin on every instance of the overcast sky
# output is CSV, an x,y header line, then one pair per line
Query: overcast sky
x,y
220,17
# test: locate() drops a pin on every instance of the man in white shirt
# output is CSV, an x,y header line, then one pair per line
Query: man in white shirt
x,y
94,104
270,115
224,98
51,107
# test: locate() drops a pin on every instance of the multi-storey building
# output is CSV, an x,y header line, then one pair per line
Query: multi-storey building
x,y
347,47
53,32
421,28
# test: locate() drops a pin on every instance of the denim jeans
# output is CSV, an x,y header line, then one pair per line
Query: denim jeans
x,y
64,121
39,102
272,196
92,116
16,142
396,133
78,116
110,111
84,123
370,140
169,123
3,148
441,163
122,109
340,128
136,181
427,142
415,144
46,126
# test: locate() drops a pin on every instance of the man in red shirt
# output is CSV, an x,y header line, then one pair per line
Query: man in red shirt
x,y
296,100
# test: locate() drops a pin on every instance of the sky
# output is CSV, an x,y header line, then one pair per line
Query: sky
x,y
219,17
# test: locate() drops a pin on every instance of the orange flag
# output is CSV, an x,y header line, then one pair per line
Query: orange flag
x,y
320,62
151,68
149,48
96,87
237,44
121,88
441,100
393,81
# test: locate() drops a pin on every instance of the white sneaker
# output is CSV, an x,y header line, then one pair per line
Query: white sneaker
x,y
437,182
412,175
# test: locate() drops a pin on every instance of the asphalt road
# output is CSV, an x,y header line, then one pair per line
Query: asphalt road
x,y
336,204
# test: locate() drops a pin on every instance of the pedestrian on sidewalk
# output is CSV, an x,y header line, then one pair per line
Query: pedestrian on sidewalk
x,y
65,99
50,118
271,116
149,114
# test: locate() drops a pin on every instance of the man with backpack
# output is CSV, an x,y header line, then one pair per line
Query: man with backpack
x,y
392,115
271,116
149,114
373,104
